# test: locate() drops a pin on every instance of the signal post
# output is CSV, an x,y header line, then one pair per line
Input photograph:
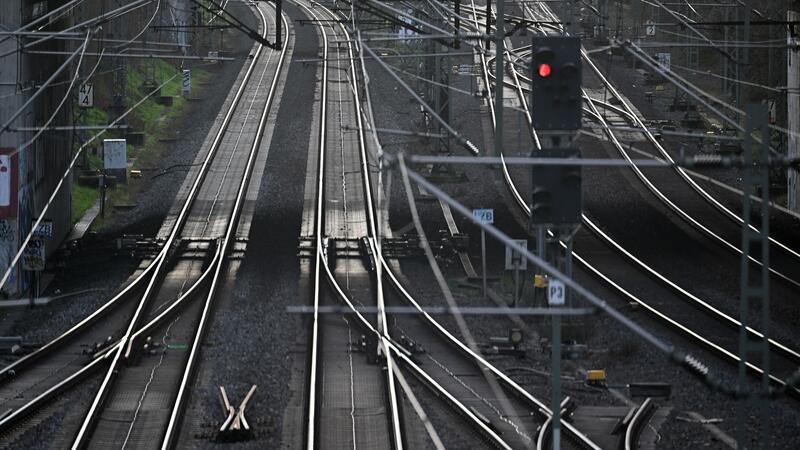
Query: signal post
x,y
556,197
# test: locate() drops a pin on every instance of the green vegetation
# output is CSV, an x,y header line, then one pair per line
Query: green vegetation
x,y
149,117
82,199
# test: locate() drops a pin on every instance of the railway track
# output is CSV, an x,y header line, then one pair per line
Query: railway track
x,y
725,328
145,397
131,406
467,400
343,214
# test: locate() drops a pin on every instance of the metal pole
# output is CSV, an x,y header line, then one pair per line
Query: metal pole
x,y
516,279
793,110
499,83
488,21
458,25
556,382
278,8
483,259
754,297
103,195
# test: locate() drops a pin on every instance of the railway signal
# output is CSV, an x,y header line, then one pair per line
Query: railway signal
x,y
556,198
556,101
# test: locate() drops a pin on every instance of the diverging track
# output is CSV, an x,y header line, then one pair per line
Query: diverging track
x,y
139,402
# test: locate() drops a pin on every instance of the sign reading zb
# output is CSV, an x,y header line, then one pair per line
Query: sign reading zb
x,y
556,292
484,216
86,95
44,230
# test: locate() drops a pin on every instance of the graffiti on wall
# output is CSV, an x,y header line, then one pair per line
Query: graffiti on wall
x,y
8,245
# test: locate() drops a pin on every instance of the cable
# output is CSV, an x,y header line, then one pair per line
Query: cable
x,y
65,176
459,138
61,8
695,30
142,31
41,89
61,103
446,292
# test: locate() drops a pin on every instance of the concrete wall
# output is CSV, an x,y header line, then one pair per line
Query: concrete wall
x,y
38,167
793,109
10,101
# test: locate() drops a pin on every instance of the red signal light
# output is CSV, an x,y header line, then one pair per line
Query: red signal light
x,y
545,70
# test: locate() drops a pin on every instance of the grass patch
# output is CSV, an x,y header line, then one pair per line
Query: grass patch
x,y
83,198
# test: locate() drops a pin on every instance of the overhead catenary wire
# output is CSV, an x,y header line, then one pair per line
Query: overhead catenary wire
x,y
448,294
466,143
688,361
32,98
98,20
63,100
695,92
451,301
48,15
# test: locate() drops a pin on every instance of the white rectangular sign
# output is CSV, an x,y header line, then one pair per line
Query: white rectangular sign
x,y
44,230
514,259
5,180
484,216
86,95
650,28
33,257
115,154
187,81
556,292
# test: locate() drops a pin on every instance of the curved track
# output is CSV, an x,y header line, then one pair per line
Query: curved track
x,y
786,357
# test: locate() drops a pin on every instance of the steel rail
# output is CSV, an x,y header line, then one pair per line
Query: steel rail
x,y
544,438
13,370
592,110
170,437
651,138
384,334
320,258
30,407
52,392
420,373
396,428
104,388
725,354
374,240
534,403
537,404
637,423
681,172
783,349
168,312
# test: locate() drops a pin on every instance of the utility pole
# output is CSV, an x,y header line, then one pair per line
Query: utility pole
x,y
499,72
556,198
793,104
754,287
